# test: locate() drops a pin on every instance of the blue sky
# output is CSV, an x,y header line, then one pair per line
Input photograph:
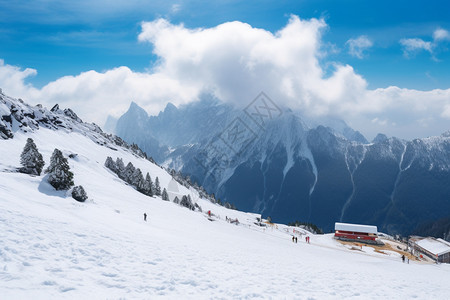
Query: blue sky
x,y
404,44
57,38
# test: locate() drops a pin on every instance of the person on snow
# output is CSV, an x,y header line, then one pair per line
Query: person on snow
x,y
403,257
296,240
293,238
145,217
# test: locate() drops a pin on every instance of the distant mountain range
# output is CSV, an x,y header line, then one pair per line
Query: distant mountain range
x,y
278,163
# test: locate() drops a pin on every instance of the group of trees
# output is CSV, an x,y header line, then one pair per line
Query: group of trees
x,y
307,226
134,177
59,174
61,178
186,181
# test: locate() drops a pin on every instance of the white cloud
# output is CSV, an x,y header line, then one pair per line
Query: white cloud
x,y
236,62
357,46
446,112
441,35
412,46
175,8
94,95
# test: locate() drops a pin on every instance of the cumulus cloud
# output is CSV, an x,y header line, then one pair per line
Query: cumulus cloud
x,y
94,95
235,62
357,46
441,35
414,45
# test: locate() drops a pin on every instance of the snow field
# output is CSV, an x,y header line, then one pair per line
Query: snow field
x,y
52,247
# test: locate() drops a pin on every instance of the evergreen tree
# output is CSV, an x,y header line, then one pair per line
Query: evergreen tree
x,y
198,207
187,202
79,194
128,172
120,167
137,180
176,200
31,159
60,176
148,187
157,187
110,164
164,195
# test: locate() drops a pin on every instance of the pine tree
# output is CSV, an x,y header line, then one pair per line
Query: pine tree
x,y
157,187
164,195
148,188
79,194
187,202
110,164
127,173
60,176
176,200
137,180
120,167
31,159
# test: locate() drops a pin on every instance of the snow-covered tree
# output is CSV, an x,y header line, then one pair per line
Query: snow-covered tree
x,y
176,200
79,194
157,187
137,180
31,159
110,164
164,195
127,173
148,186
198,207
187,202
60,176
120,167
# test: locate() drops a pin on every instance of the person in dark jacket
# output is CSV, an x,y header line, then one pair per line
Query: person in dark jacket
x,y
145,217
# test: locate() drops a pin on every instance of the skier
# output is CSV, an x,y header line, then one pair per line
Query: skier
x,y
293,238
403,257
296,240
145,217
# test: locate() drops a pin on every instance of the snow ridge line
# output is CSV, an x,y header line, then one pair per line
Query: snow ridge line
x,y
347,203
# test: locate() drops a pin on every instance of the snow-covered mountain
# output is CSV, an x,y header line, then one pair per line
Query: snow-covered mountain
x,y
293,168
53,247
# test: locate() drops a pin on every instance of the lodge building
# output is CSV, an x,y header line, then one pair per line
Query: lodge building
x,y
356,233
436,249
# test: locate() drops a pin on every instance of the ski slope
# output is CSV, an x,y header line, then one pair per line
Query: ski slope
x,y
52,247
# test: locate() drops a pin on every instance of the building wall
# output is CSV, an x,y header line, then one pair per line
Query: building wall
x,y
444,258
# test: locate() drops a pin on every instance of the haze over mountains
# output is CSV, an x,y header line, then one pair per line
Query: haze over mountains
x,y
281,164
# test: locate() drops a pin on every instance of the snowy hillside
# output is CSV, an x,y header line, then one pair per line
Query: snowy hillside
x,y
292,168
53,247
